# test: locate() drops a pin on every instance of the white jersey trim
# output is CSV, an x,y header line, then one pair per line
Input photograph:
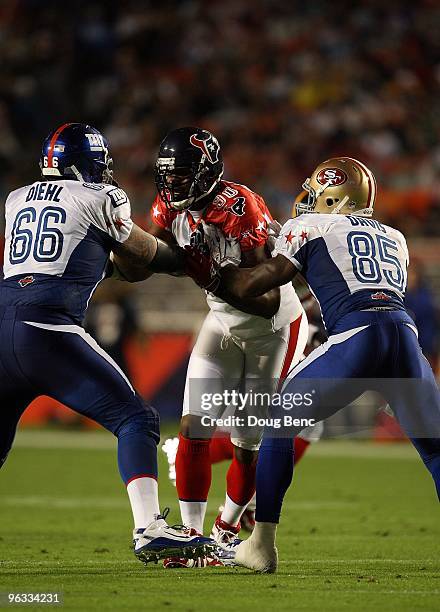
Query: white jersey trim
x,y
321,350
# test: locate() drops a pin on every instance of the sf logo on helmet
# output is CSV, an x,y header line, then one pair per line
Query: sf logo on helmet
x,y
208,145
331,176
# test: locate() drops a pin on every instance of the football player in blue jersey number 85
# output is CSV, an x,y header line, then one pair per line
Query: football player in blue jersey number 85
x,y
357,269
60,233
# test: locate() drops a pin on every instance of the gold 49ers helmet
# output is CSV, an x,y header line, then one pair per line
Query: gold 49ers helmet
x,y
341,185
301,198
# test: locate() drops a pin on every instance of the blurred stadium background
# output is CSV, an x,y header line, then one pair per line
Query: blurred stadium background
x,y
282,84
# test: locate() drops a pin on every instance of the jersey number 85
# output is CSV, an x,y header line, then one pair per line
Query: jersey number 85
x,y
374,259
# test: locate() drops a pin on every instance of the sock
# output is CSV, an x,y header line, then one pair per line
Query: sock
x,y
221,449
144,500
274,475
193,514
240,487
252,504
300,446
137,456
264,534
232,512
193,480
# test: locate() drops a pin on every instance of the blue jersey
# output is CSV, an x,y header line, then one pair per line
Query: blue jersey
x,y
58,238
350,263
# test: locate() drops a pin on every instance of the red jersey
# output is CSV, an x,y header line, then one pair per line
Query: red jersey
x,y
241,214
236,210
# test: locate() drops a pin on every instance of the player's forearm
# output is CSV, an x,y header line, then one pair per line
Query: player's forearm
x,y
265,305
143,254
132,272
243,283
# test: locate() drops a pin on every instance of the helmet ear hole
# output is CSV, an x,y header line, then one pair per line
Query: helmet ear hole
x,y
331,201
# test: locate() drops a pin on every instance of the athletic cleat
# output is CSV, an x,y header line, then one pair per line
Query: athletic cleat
x,y
225,553
224,534
257,557
182,563
169,447
159,541
248,520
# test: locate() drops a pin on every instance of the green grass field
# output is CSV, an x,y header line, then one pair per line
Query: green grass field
x,y
360,531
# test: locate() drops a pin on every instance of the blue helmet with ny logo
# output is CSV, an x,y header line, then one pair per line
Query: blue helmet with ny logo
x,y
76,151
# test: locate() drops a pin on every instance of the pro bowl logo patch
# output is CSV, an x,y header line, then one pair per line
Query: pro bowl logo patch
x,y
332,176
208,145
27,280
380,295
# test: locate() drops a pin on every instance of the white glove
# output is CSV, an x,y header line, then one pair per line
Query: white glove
x,y
224,250
273,230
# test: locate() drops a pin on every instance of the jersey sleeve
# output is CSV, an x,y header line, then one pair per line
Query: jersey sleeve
x,y
293,241
110,212
160,214
247,221
405,250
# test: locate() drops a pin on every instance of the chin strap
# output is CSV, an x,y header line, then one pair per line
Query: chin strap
x,y
77,173
365,212
341,204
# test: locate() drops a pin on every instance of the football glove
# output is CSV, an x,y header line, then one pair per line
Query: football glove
x,y
202,269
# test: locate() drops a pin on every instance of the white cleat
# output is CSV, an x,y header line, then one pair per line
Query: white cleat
x,y
258,557
159,541
224,534
169,447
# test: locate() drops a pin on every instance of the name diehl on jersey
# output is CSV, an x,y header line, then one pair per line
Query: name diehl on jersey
x,y
58,239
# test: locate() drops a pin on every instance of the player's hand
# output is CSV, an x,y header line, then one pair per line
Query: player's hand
x,y
273,231
202,269
224,250
274,228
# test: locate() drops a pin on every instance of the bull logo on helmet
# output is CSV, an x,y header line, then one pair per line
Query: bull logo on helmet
x,y
208,145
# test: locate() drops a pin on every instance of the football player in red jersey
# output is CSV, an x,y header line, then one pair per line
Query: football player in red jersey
x,y
251,343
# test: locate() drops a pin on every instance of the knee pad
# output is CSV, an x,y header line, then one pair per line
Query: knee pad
x,y
142,418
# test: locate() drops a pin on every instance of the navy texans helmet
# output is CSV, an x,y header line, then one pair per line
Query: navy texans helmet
x,y
189,166
77,151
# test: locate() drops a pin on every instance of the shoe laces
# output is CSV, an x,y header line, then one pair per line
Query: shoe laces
x,y
178,526
163,515
225,536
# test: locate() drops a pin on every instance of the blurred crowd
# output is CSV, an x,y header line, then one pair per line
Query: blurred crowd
x,y
283,84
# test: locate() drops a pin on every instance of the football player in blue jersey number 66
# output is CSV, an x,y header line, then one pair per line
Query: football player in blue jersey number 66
x,y
357,269
60,232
